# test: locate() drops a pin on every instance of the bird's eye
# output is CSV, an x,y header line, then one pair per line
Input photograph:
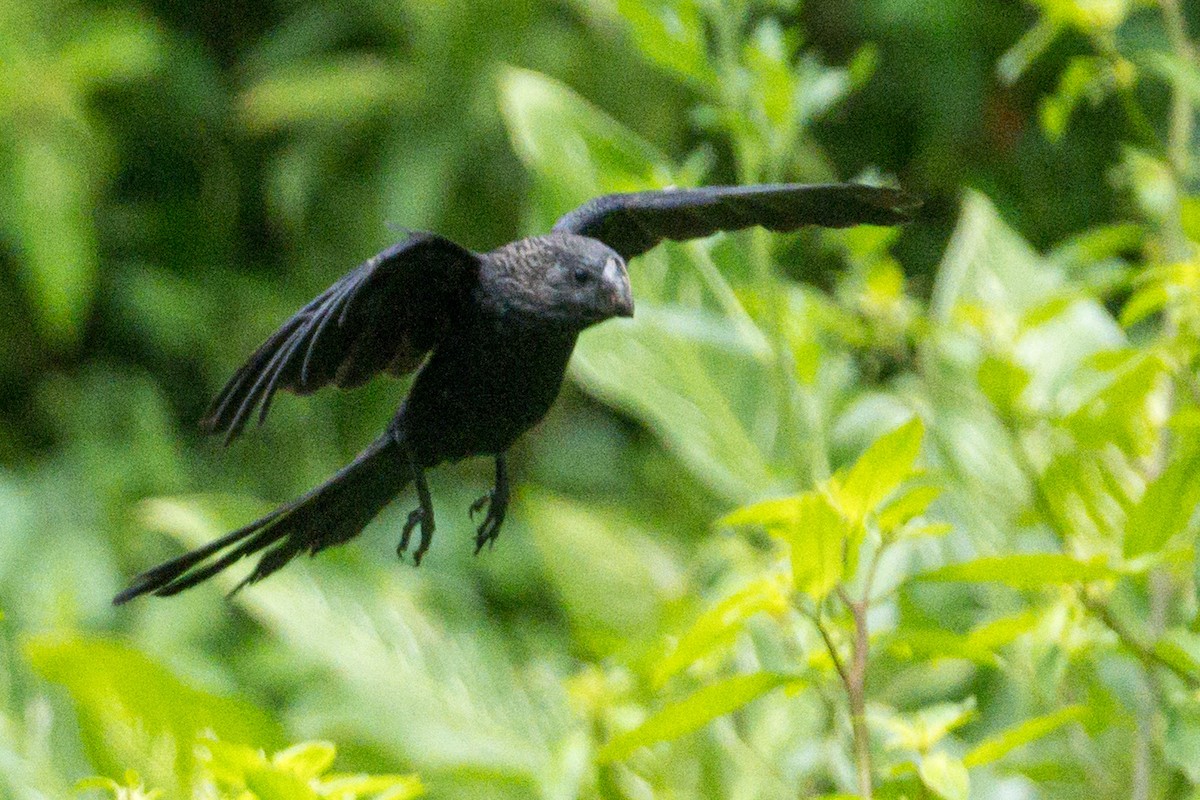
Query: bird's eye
x,y
581,276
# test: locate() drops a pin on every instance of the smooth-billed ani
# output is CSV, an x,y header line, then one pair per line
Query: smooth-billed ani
x,y
489,335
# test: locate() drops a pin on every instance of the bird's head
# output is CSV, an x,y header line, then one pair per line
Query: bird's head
x,y
574,280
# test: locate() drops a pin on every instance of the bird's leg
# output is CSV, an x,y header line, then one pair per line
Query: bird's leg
x,y
422,515
496,501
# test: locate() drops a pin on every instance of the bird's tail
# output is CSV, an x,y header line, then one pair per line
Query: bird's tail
x,y
333,513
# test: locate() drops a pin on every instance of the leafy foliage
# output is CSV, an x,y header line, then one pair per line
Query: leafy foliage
x,y
953,468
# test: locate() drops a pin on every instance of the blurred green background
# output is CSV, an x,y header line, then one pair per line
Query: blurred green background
x,y
177,178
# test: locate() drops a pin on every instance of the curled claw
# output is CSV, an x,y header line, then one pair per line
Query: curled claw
x,y
490,528
496,501
414,519
479,504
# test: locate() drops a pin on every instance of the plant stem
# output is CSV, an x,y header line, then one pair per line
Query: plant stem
x,y
854,681
1144,651
856,690
1180,135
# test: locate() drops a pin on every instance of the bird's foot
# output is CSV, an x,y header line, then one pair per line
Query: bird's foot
x,y
497,506
417,517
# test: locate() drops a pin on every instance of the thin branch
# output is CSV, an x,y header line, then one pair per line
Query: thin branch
x,y
831,647
1132,641
856,688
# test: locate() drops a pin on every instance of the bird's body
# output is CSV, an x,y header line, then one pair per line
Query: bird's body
x,y
490,382
489,336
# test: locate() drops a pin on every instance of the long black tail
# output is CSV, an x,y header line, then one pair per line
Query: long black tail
x,y
333,513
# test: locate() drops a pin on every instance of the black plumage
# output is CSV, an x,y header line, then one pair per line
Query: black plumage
x,y
491,334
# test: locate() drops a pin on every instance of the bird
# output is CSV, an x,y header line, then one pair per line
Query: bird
x,y
488,335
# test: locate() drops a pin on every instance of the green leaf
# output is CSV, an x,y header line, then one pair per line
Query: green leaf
x,y
307,759
721,624
694,712
113,46
818,542
996,747
58,242
1181,649
700,399
611,579
379,787
135,714
1167,507
931,643
770,515
344,91
988,265
945,775
1029,47
572,144
912,502
1144,302
269,783
922,730
672,35
1003,381
880,470
1024,570
1084,77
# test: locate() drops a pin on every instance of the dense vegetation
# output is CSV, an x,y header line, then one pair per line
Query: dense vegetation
x,y
893,513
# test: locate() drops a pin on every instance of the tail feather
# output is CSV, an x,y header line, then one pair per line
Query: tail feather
x,y
331,514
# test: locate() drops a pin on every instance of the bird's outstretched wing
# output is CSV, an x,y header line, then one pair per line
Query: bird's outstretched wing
x,y
633,223
384,315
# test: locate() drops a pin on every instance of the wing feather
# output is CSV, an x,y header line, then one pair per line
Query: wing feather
x,y
383,315
633,223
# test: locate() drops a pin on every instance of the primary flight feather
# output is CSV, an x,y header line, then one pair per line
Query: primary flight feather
x,y
491,334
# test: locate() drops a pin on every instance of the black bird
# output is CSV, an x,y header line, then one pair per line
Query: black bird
x,y
489,335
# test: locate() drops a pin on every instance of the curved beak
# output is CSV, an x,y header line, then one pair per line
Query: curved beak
x,y
618,281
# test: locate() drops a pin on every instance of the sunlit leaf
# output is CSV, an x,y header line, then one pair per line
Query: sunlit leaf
x,y
113,46
307,759
378,787
771,515
1024,570
687,393
923,729
1168,506
880,470
945,775
57,237
719,625
996,747
133,713
337,92
909,503
1145,301
1029,48
670,34
818,546
694,712
1181,649
571,143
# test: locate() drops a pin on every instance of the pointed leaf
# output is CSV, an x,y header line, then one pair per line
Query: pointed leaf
x,y
880,470
996,747
307,759
134,713
770,515
818,541
694,712
945,775
1023,571
912,502
719,625
1167,507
